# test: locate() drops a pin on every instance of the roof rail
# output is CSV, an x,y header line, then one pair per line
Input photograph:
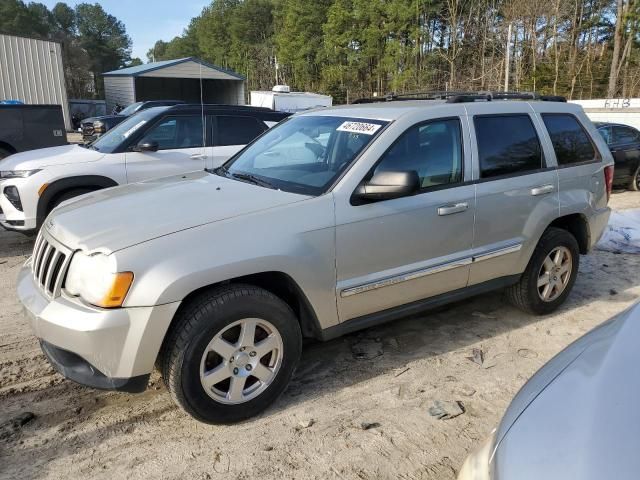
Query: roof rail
x,y
394,97
489,96
462,96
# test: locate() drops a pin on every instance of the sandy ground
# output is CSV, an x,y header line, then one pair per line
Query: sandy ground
x,y
78,432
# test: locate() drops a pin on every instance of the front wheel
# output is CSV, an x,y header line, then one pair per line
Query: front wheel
x,y
231,353
550,274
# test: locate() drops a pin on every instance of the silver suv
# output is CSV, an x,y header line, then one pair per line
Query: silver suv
x,y
333,221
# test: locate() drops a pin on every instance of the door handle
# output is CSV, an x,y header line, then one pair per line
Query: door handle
x,y
197,156
453,208
542,190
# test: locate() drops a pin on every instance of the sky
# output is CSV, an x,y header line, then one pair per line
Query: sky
x,y
147,20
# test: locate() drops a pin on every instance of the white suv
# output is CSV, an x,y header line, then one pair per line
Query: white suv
x,y
157,142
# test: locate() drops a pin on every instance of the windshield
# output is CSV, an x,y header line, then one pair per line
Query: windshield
x,y
131,109
111,140
304,154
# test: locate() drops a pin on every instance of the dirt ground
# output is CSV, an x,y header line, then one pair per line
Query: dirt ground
x,y
315,431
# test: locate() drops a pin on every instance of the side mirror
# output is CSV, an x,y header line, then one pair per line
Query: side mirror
x,y
388,185
146,146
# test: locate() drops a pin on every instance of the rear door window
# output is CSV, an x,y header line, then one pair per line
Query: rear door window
x,y
507,145
237,130
570,141
177,132
625,135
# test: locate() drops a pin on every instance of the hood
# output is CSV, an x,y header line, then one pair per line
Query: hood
x,y
584,423
119,217
109,120
102,118
46,157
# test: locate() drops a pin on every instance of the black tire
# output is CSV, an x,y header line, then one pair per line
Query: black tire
x,y
195,326
524,294
68,195
634,185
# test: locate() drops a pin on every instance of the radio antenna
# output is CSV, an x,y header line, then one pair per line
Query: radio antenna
x,y
204,129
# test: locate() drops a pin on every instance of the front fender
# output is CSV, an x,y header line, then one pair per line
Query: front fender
x,y
169,268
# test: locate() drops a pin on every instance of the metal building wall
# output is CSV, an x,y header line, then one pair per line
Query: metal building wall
x,y
120,90
31,70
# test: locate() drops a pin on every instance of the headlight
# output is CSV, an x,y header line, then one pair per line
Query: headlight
x,y
476,466
94,278
18,173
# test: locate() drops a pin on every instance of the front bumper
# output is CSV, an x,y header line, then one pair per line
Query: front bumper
x,y
102,348
90,138
76,368
10,217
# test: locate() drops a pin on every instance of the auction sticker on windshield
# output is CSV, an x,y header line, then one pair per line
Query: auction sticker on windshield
x,y
359,127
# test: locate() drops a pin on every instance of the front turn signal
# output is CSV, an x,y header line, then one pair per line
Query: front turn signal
x,y
115,296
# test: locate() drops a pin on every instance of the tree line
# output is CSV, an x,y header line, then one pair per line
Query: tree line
x,y
92,41
358,48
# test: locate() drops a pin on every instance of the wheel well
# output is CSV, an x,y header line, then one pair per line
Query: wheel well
x,y
7,147
577,225
60,187
54,199
283,287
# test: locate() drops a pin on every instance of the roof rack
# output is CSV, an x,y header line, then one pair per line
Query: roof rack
x,y
394,97
462,97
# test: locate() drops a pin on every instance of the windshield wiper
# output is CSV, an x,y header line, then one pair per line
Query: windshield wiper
x,y
252,179
247,177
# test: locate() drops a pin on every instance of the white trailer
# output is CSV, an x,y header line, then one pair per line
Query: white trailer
x,y
283,100
31,71
625,111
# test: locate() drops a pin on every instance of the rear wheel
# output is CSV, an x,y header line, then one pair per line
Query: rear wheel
x,y
231,353
550,274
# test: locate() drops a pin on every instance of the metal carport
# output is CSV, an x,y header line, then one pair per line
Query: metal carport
x,y
178,79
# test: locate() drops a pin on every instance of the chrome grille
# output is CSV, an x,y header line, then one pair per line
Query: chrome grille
x,y
49,264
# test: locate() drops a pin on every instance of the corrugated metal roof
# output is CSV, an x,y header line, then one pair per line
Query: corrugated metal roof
x,y
150,67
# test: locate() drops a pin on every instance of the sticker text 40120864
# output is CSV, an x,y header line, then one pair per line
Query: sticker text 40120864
x,y
359,127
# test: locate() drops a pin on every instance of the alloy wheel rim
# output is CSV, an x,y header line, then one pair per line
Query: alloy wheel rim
x,y
555,274
241,361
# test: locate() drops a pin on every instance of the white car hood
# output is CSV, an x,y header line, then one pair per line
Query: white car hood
x,y
584,423
46,157
119,217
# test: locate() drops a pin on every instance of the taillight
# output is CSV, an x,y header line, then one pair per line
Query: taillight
x,y
608,180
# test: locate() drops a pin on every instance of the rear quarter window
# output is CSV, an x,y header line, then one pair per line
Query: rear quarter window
x,y
571,142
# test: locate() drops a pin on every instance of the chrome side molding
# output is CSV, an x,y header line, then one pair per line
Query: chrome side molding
x,y
415,274
498,253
